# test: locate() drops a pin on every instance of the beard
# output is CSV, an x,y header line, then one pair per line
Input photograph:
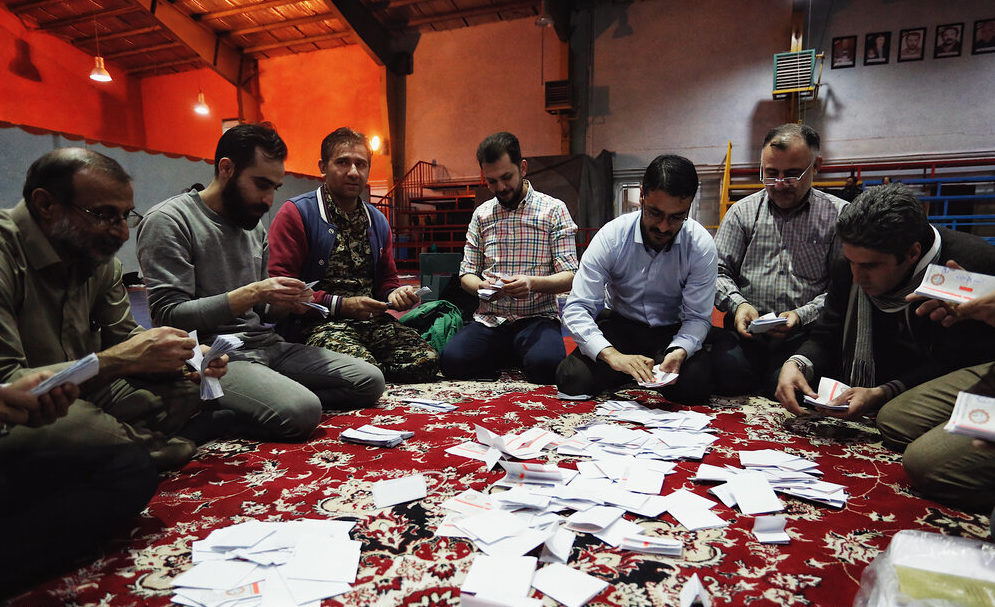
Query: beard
x,y
236,208
514,198
76,244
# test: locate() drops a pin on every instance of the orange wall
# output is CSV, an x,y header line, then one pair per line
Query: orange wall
x,y
309,95
45,83
170,122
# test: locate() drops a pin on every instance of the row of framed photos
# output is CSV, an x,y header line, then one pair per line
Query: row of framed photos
x,y
948,41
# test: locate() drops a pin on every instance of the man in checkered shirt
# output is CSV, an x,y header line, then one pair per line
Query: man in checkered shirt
x,y
775,248
520,252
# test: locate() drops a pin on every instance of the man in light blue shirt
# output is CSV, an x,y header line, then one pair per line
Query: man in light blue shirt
x,y
643,294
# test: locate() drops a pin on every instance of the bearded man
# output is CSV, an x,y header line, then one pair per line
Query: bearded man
x,y
204,257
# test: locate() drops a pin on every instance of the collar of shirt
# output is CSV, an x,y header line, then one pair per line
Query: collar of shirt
x,y
637,236
779,212
333,209
527,199
37,247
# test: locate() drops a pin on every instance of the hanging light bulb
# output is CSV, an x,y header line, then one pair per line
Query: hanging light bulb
x,y
375,143
201,106
99,72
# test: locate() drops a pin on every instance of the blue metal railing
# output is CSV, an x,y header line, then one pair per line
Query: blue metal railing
x,y
939,203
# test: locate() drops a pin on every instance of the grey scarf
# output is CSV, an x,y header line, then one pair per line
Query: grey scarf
x,y
858,349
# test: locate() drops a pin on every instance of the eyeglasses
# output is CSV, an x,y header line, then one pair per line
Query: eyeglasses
x,y
108,218
784,180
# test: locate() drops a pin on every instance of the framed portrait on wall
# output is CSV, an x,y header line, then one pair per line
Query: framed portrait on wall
x,y
984,37
877,48
910,44
949,38
844,52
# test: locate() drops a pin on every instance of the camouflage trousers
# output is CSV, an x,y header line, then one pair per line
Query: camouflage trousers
x,y
398,351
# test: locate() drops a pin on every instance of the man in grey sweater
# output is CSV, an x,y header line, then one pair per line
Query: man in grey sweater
x,y
204,257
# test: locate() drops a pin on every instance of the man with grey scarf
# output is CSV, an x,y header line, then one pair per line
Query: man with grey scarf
x,y
868,335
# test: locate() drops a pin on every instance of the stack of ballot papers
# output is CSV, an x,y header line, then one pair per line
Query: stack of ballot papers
x,y
660,378
766,323
954,286
828,390
210,387
973,415
784,473
488,293
76,373
271,564
439,406
375,436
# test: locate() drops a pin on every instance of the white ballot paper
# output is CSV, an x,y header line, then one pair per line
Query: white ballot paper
x,y
502,578
376,436
653,545
210,387
693,592
660,378
954,286
766,323
76,373
973,415
399,490
316,306
562,396
571,587
828,390
770,530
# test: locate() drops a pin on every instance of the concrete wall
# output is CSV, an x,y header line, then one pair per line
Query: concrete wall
x,y
687,77
469,83
155,176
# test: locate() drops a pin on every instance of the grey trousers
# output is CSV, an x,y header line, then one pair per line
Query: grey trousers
x,y
280,390
944,467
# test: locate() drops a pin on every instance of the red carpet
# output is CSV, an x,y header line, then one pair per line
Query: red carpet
x,y
403,564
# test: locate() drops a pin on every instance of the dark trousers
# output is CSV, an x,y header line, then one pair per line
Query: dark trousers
x,y
748,366
578,374
58,505
479,351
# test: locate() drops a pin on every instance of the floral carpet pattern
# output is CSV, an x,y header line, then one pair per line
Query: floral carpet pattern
x,y
403,563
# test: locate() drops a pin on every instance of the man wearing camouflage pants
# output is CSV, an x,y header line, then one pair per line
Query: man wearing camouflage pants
x,y
332,236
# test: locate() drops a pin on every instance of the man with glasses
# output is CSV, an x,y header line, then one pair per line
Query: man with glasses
x,y
61,298
643,294
775,249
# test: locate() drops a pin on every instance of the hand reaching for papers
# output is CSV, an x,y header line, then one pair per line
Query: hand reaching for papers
x,y
158,350
639,367
861,400
403,298
790,382
19,407
745,314
787,328
361,308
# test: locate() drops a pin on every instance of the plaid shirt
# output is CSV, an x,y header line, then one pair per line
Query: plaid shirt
x,y
777,261
536,239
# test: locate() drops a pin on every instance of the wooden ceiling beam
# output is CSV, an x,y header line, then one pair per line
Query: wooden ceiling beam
x,y
23,7
298,41
241,10
282,24
158,66
138,31
139,50
476,12
372,35
93,16
223,57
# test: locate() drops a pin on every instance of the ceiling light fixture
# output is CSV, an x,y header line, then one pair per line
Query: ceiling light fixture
x,y
544,19
201,106
99,72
